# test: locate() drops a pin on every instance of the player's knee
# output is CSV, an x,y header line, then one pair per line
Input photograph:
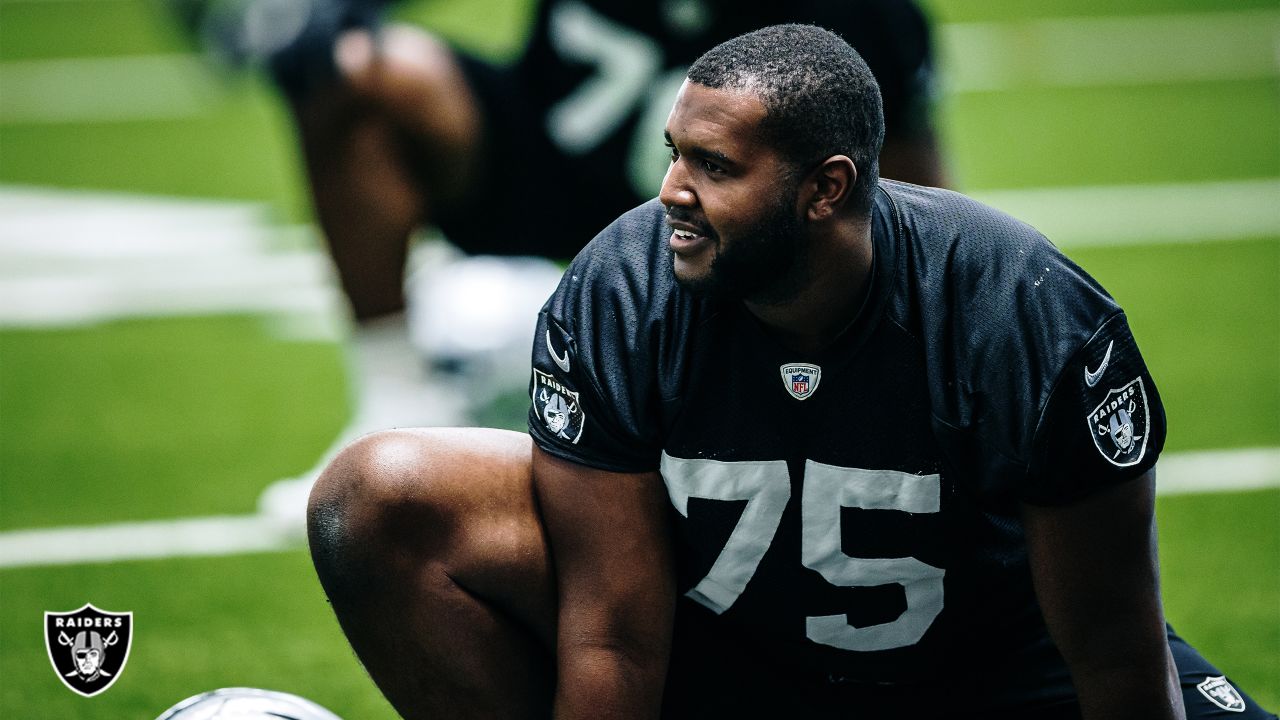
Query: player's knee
x,y
383,495
401,66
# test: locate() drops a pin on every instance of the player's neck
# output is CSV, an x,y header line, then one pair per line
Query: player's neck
x,y
839,267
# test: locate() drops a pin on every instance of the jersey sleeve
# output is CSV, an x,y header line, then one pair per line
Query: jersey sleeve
x,y
1039,391
1063,405
594,396
1102,424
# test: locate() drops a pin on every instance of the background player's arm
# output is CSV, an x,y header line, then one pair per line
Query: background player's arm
x,y
608,538
1097,578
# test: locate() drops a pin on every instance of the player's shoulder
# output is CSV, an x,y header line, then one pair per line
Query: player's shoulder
x,y
619,292
629,242
957,247
1003,317
945,222
622,262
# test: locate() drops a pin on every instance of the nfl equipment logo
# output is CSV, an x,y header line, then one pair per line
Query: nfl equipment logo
x,y
801,379
1221,693
1119,424
88,647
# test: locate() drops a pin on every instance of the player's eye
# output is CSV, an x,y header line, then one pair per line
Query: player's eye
x,y
675,154
711,167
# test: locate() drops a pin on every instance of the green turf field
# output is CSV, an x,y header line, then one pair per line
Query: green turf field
x,y
170,417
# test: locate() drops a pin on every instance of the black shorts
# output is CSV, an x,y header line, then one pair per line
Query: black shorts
x,y
1206,690
512,212
544,197
714,677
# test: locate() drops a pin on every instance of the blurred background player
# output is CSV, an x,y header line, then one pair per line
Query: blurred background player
x,y
400,131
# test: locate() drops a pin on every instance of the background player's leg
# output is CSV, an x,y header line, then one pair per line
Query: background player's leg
x,y
430,548
914,157
399,136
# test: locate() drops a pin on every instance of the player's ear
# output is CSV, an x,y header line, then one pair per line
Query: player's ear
x,y
830,185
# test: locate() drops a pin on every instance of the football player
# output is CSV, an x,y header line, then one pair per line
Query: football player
x,y
805,443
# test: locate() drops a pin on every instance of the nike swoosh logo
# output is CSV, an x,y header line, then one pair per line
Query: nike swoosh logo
x,y
1092,378
563,362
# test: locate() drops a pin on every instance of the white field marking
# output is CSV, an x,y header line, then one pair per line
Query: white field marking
x,y
1218,471
106,89
1198,472
975,57
205,536
75,257
288,283
1097,51
49,225
1131,214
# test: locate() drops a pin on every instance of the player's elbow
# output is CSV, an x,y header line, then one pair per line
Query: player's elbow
x,y
600,670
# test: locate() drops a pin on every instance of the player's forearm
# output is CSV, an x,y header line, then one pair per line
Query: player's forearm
x,y
1097,578
613,642
615,587
1125,674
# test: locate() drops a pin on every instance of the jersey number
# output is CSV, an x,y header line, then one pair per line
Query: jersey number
x,y
766,487
627,77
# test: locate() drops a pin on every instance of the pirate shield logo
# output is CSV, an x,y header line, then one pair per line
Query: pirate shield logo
x,y
558,407
1119,424
1221,693
88,647
801,379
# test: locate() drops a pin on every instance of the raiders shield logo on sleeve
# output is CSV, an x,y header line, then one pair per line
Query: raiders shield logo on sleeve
x,y
1120,422
1221,693
88,647
557,406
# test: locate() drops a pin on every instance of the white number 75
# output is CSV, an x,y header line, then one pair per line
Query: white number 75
x,y
827,488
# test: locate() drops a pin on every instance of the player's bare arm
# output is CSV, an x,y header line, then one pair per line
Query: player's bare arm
x,y
1097,578
615,587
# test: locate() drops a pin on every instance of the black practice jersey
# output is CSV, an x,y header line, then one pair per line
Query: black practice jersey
x,y
855,511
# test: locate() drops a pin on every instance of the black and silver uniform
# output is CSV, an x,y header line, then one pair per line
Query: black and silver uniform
x,y
852,514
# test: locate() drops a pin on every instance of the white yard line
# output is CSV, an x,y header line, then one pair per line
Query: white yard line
x,y
76,257
65,225
1136,214
975,57
1218,471
288,283
1098,51
205,536
1182,473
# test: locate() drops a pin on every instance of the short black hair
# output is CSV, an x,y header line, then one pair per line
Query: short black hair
x,y
819,95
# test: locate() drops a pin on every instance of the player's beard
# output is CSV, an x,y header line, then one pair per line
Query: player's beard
x,y
765,263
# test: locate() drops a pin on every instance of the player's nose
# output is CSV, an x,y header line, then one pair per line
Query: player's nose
x,y
676,190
